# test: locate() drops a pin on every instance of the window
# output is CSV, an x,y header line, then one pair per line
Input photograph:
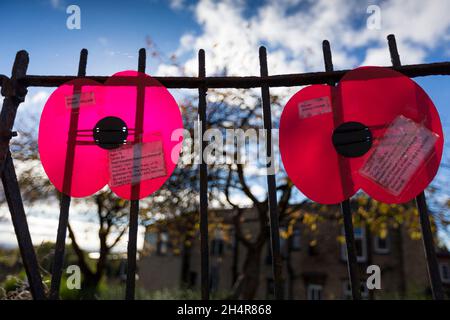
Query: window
x,y
445,272
218,243
360,243
381,245
296,239
151,240
314,292
347,290
163,243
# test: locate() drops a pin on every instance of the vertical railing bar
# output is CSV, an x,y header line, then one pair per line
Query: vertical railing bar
x,y
277,262
393,51
9,179
132,250
134,204
428,244
425,225
63,222
19,219
204,245
352,262
11,102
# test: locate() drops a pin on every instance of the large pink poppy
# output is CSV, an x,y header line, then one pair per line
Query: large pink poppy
x,y
117,133
377,130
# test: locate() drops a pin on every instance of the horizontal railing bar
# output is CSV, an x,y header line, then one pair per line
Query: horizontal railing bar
x,y
285,80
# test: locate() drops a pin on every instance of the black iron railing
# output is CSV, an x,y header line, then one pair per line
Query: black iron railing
x,y
14,89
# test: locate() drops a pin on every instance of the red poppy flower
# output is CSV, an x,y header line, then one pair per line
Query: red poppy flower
x,y
118,133
377,130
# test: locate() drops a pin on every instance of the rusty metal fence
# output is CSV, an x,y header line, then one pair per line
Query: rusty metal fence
x,y
14,89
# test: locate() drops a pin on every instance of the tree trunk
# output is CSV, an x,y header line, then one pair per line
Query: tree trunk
x,y
251,272
90,286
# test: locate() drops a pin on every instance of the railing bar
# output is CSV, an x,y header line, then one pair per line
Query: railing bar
x,y
65,199
421,203
12,101
428,244
19,219
204,246
284,80
352,262
132,250
277,262
135,190
11,185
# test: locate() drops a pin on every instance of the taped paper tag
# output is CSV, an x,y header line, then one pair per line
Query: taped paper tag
x,y
78,100
132,164
313,107
403,148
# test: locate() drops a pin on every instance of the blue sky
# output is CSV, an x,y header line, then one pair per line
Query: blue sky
x,y
106,27
230,31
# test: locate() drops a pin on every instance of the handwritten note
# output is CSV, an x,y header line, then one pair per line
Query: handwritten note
x,y
314,107
132,164
404,147
79,100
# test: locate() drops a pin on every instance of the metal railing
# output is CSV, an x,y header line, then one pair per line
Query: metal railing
x,y
14,89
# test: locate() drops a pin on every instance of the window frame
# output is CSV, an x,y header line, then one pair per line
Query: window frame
x,y
296,239
441,272
312,289
377,249
362,238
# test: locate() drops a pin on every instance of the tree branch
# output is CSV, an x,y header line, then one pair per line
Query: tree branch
x,y
79,252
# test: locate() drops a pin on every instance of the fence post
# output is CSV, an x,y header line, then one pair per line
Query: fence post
x,y
204,245
277,262
9,178
63,222
134,204
352,262
427,234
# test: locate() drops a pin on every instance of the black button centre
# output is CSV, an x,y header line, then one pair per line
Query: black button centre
x,y
352,139
110,133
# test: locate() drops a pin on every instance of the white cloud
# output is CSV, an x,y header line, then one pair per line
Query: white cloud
x,y
177,4
293,30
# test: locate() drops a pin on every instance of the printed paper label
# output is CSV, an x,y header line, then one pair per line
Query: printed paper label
x,y
79,100
402,149
313,107
132,164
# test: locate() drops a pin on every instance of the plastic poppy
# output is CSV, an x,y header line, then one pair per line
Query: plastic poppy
x,y
117,133
377,130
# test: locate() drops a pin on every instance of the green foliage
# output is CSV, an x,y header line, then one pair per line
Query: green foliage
x,y
117,292
11,283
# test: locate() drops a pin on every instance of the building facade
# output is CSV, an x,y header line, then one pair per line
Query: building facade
x,y
314,262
